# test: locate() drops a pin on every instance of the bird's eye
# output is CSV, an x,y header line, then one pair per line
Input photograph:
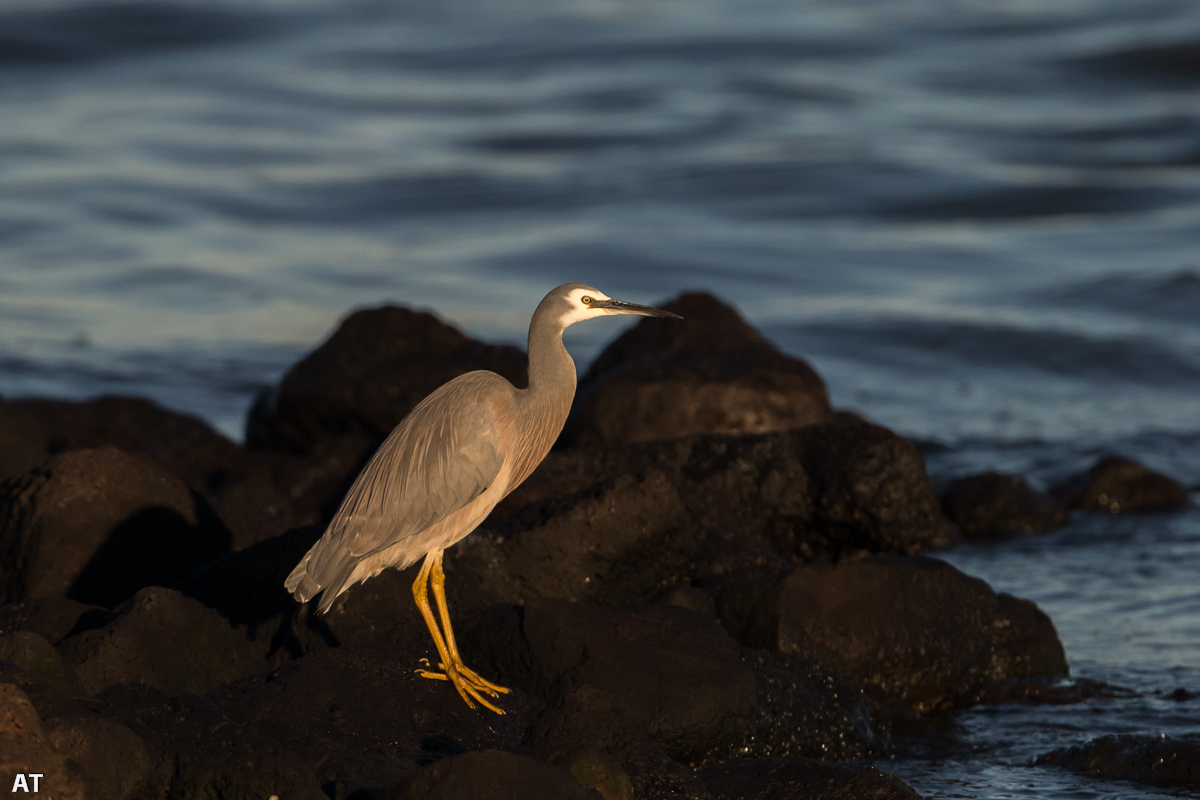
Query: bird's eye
x,y
586,300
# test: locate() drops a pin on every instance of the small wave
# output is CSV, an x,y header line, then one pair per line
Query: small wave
x,y
1063,353
1174,296
89,32
1177,61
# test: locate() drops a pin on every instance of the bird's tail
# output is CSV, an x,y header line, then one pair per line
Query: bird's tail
x,y
305,587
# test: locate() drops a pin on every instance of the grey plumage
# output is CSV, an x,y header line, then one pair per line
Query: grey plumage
x,y
447,464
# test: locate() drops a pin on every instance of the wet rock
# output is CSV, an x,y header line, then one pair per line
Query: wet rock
x,y
592,733
36,656
710,372
97,525
801,779
801,710
179,443
195,750
371,372
493,775
364,719
50,617
822,491
916,632
1025,642
623,540
1120,485
24,749
162,639
680,674
992,505
1145,759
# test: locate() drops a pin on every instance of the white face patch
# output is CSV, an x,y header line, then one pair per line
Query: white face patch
x,y
580,309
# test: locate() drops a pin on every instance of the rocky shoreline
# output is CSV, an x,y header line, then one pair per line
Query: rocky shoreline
x,y
716,587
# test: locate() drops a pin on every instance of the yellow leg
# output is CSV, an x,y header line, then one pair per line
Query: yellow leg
x,y
421,595
438,579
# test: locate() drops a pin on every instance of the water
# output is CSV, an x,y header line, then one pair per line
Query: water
x,y
980,221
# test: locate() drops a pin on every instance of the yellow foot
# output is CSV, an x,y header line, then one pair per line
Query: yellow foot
x,y
467,682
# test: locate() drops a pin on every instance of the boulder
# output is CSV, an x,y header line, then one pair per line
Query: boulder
x,y
838,488
368,375
680,674
1025,643
1120,485
802,779
364,720
38,658
993,504
162,639
493,775
802,710
1162,760
50,617
181,444
592,733
97,525
194,750
710,372
113,761
916,632
22,444
24,749
626,539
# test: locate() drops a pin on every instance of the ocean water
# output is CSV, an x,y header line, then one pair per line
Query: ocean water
x,y
979,220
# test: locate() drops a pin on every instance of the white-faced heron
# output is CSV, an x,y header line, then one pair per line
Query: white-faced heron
x,y
445,467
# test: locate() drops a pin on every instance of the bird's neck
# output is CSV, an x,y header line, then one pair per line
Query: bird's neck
x,y
551,389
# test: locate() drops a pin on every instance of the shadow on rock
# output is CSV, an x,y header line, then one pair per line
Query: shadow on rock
x,y
97,525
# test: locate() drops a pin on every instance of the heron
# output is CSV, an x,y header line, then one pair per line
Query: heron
x,y
442,470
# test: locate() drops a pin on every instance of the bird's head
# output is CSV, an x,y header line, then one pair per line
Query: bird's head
x,y
575,302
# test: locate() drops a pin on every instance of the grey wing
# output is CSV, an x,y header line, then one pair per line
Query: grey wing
x,y
445,453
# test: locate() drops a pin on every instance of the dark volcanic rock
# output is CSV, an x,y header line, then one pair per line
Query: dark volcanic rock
x,y
180,443
802,710
25,749
1145,759
371,372
113,760
50,617
97,525
22,445
194,750
593,734
493,775
162,639
622,540
364,720
802,779
1116,484
37,657
914,631
1025,642
710,372
680,674
821,491
993,504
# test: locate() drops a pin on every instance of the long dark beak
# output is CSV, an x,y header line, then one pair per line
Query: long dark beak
x,y
621,307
